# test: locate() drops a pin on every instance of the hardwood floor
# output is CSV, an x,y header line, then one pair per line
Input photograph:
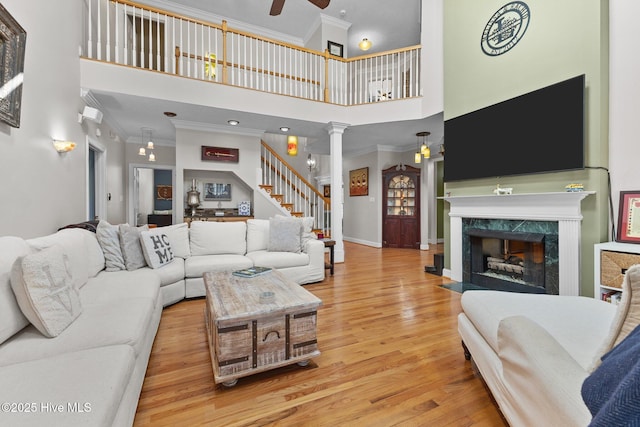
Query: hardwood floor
x,y
391,356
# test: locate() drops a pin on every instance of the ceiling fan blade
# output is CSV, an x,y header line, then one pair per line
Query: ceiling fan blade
x,y
276,7
320,3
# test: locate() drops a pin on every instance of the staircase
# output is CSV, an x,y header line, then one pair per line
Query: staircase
x,y
292,191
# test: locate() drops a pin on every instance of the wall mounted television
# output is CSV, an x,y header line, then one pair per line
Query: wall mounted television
x,y
540,131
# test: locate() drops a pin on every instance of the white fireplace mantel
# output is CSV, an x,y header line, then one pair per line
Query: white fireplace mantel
x,y
564,207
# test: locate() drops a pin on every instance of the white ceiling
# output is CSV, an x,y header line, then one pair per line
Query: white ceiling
x,y
377,20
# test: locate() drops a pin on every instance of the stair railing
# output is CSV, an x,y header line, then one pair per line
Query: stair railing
x,y
295,190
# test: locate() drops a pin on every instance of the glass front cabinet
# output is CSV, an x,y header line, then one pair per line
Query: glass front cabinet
x,y
401,207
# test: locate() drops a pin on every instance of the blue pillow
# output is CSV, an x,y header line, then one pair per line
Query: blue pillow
x,y
612,392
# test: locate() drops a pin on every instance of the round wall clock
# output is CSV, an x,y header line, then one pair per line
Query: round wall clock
x,y
505,28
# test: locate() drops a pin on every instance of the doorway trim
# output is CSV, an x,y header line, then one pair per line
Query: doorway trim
x,y
131,189
100,177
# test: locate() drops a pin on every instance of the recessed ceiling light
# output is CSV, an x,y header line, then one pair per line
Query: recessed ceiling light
x,y
233,122
284,129
169,114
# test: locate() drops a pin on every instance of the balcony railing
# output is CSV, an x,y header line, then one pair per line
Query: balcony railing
x,y
127,33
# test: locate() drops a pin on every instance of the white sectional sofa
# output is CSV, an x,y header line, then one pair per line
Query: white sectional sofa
x,y
537,352
91,372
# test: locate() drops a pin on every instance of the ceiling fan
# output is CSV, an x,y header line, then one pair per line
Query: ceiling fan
x,y
276,6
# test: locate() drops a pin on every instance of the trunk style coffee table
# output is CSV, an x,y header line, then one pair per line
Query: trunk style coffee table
x,y
257,324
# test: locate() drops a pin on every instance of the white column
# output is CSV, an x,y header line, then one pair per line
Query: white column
x,y
569,256
455,253
337,188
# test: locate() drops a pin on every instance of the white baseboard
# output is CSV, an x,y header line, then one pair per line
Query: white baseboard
x,y
446,273
362,242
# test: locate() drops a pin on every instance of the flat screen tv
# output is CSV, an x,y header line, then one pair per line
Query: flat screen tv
x,y
540,131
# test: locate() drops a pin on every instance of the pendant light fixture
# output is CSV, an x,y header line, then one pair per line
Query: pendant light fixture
x,y
147,144
423,147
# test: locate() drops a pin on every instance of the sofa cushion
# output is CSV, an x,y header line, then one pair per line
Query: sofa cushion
x,y
278,259
95,378
131,246
94,256
612,391
561,317
114,286
257,235
109,239
285,234
156,247
172,272
74,243
11,317
101,324
44,290
179,238
196,266
214,238
627,313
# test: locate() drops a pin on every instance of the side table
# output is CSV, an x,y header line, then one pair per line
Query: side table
x,y
328,243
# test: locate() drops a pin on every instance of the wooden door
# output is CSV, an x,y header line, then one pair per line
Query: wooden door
x,y
401,207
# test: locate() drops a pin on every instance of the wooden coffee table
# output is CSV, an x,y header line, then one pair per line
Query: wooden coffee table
x,y
257,324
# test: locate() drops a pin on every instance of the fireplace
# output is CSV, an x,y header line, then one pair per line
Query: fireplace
x,y
560,210
507,255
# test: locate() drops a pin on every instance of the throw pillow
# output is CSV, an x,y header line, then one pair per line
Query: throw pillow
x,y
109,239
612,392
44,290
285,234
179,239
131,247
156,247
627,313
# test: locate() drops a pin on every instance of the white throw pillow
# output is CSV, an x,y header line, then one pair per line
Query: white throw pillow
x,y
179,238
285,234
109,239
131,247
156,247
44,290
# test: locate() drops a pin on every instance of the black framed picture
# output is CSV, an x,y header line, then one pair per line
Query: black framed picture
x,y
335,49
12,42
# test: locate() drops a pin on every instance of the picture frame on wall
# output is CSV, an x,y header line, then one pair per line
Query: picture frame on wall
x,y
214,191
335,49
359,182
629,217
220,154
13,38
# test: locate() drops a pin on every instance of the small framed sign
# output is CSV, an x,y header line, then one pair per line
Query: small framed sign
x,y
220,154
629,217
335,49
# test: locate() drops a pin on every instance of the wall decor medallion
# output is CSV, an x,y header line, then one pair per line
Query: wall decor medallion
x,y
220,154
12,43
164,192
505,28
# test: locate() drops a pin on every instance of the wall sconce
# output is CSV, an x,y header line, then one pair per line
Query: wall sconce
x,y
365,44
63,146
311,162
292,145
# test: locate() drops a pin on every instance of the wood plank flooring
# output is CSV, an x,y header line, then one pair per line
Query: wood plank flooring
x,y
391,356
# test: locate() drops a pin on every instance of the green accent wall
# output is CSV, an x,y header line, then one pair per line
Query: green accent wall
x,y
564,39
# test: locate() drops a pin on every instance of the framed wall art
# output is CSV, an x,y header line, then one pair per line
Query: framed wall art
x,y
335,49
629,217
164,192
220,154
12,40
359,182
217,191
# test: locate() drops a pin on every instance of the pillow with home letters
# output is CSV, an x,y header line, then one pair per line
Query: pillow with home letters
x,y
156,247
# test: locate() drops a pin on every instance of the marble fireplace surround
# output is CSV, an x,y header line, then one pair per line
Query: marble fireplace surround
x,y
563,207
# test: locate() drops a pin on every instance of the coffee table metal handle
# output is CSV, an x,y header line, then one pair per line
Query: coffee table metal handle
x,y
269,333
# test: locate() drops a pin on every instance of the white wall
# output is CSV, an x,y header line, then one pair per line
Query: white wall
x,y
188,157
42,190
624,98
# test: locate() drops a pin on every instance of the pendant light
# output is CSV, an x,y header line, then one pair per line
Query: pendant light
x,y
423,147
292,145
